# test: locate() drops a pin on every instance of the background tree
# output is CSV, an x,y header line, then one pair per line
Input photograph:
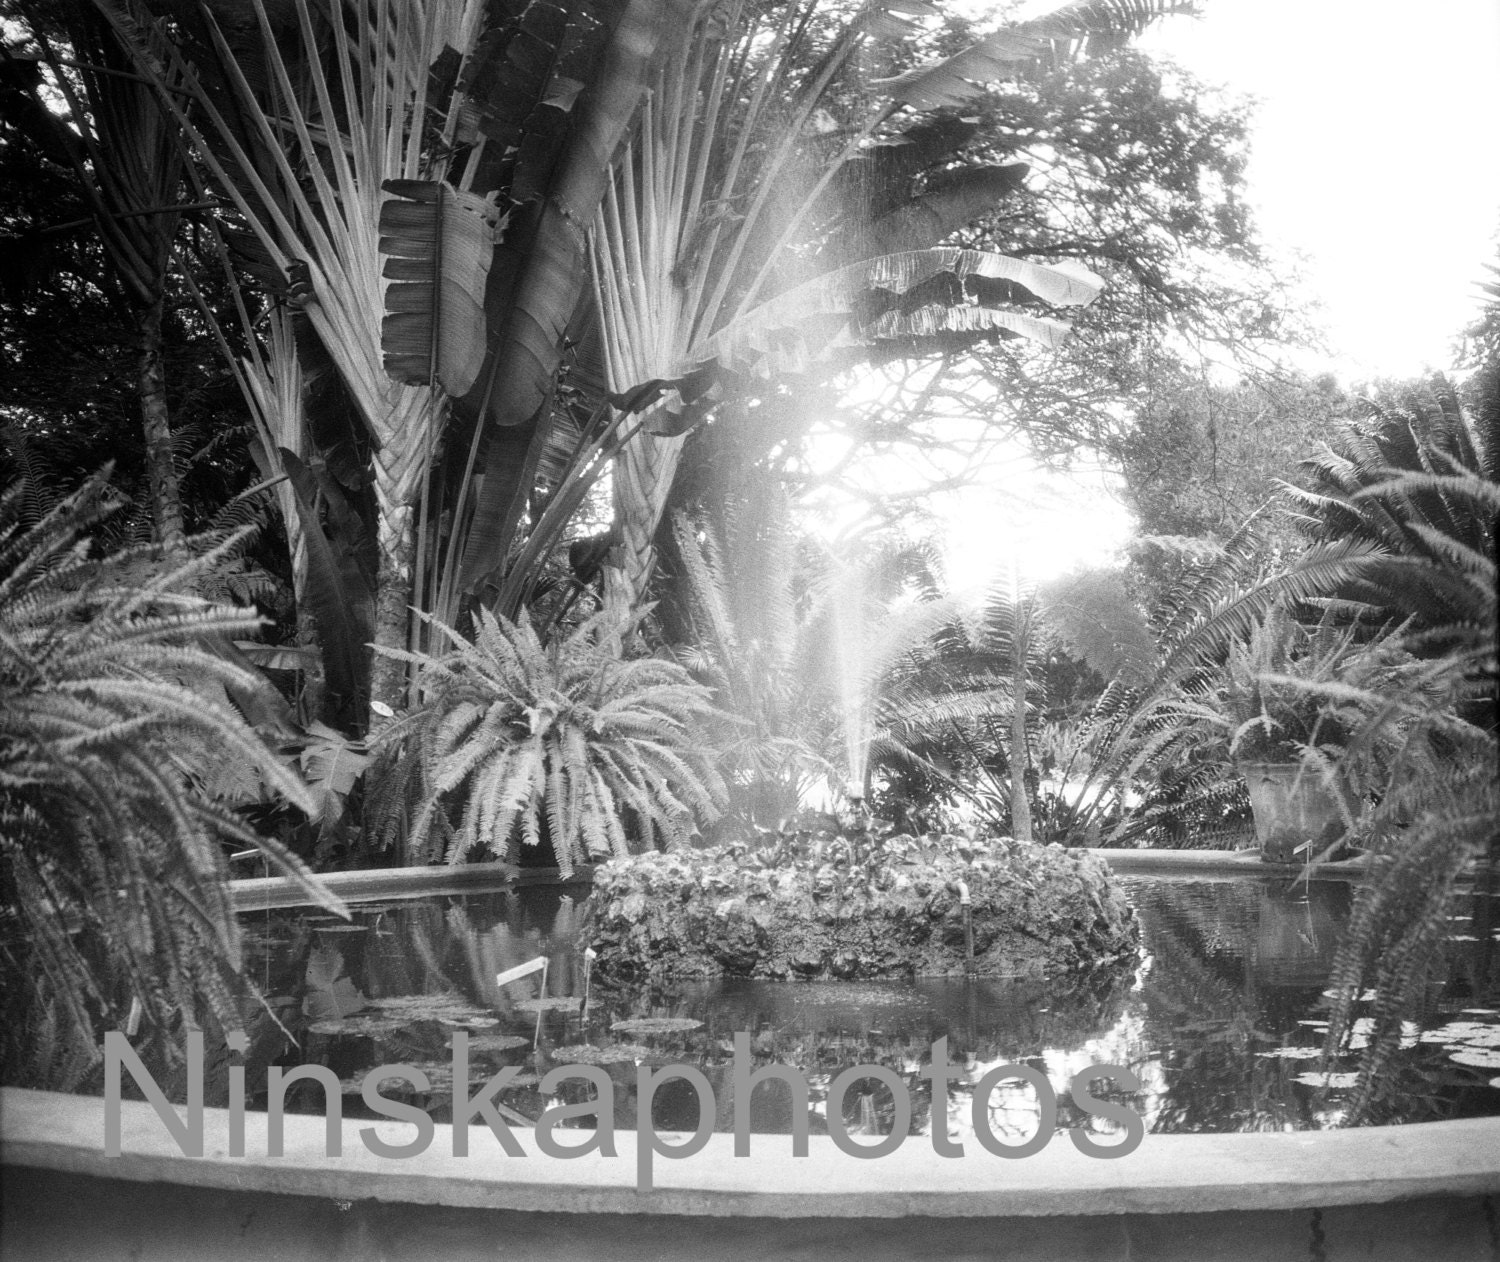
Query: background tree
x,y
90,312
1135,171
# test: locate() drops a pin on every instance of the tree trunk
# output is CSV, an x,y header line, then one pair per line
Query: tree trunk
x,y
392,598
161,465
642,480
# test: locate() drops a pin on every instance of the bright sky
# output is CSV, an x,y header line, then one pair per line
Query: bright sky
x,y
1374,163
1375,146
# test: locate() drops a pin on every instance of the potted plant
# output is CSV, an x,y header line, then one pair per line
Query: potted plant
x,y
1290,701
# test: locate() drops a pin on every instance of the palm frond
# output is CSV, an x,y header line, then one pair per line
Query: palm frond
x,y
522,741
113,718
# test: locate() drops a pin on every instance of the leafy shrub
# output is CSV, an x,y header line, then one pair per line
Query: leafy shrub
x,y
112,847
514,740
861,907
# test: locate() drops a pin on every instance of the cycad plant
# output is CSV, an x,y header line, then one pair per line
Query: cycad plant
x,y
978,694
1434,823
1433,828
1413,482
113,717
514,741
741,598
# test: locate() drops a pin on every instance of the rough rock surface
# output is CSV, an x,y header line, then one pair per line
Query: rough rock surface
x,y
1038,912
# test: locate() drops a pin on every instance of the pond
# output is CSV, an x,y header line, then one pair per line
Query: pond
x,y
1221,1021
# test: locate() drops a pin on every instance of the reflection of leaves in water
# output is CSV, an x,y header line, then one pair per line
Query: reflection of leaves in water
x,y
853,994
655,1025
421,933
330,994
462,931
609,1054
1202,1009
439,1078
1201,936
553,1003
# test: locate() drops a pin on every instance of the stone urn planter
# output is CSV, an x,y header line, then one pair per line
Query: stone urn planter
x,y
1296,813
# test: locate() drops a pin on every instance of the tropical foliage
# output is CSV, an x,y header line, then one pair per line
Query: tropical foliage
x,y
1414,479
120,757
514,742
414,182
743,629
491,274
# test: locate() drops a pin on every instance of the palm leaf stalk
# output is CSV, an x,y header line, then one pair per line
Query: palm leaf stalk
x,y
259,111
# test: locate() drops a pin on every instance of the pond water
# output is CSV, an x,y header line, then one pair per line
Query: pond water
x,y
1221,1020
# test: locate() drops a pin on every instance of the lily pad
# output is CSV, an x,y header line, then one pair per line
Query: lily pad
x,y
1475,1033
1478,1057
364,1023
496,1042
608,1054
1361,1030
552,1003
655,1025
1336,1081
448,1007
1294,1053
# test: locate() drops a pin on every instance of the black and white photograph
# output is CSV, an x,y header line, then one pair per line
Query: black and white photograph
x,y
694,630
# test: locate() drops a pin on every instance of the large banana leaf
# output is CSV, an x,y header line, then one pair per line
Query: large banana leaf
x,y
437,242
793,329
530,341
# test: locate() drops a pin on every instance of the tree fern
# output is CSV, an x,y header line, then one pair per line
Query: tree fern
x,y
112,704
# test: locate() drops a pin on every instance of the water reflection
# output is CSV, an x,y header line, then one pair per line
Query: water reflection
x,y
1217,1022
